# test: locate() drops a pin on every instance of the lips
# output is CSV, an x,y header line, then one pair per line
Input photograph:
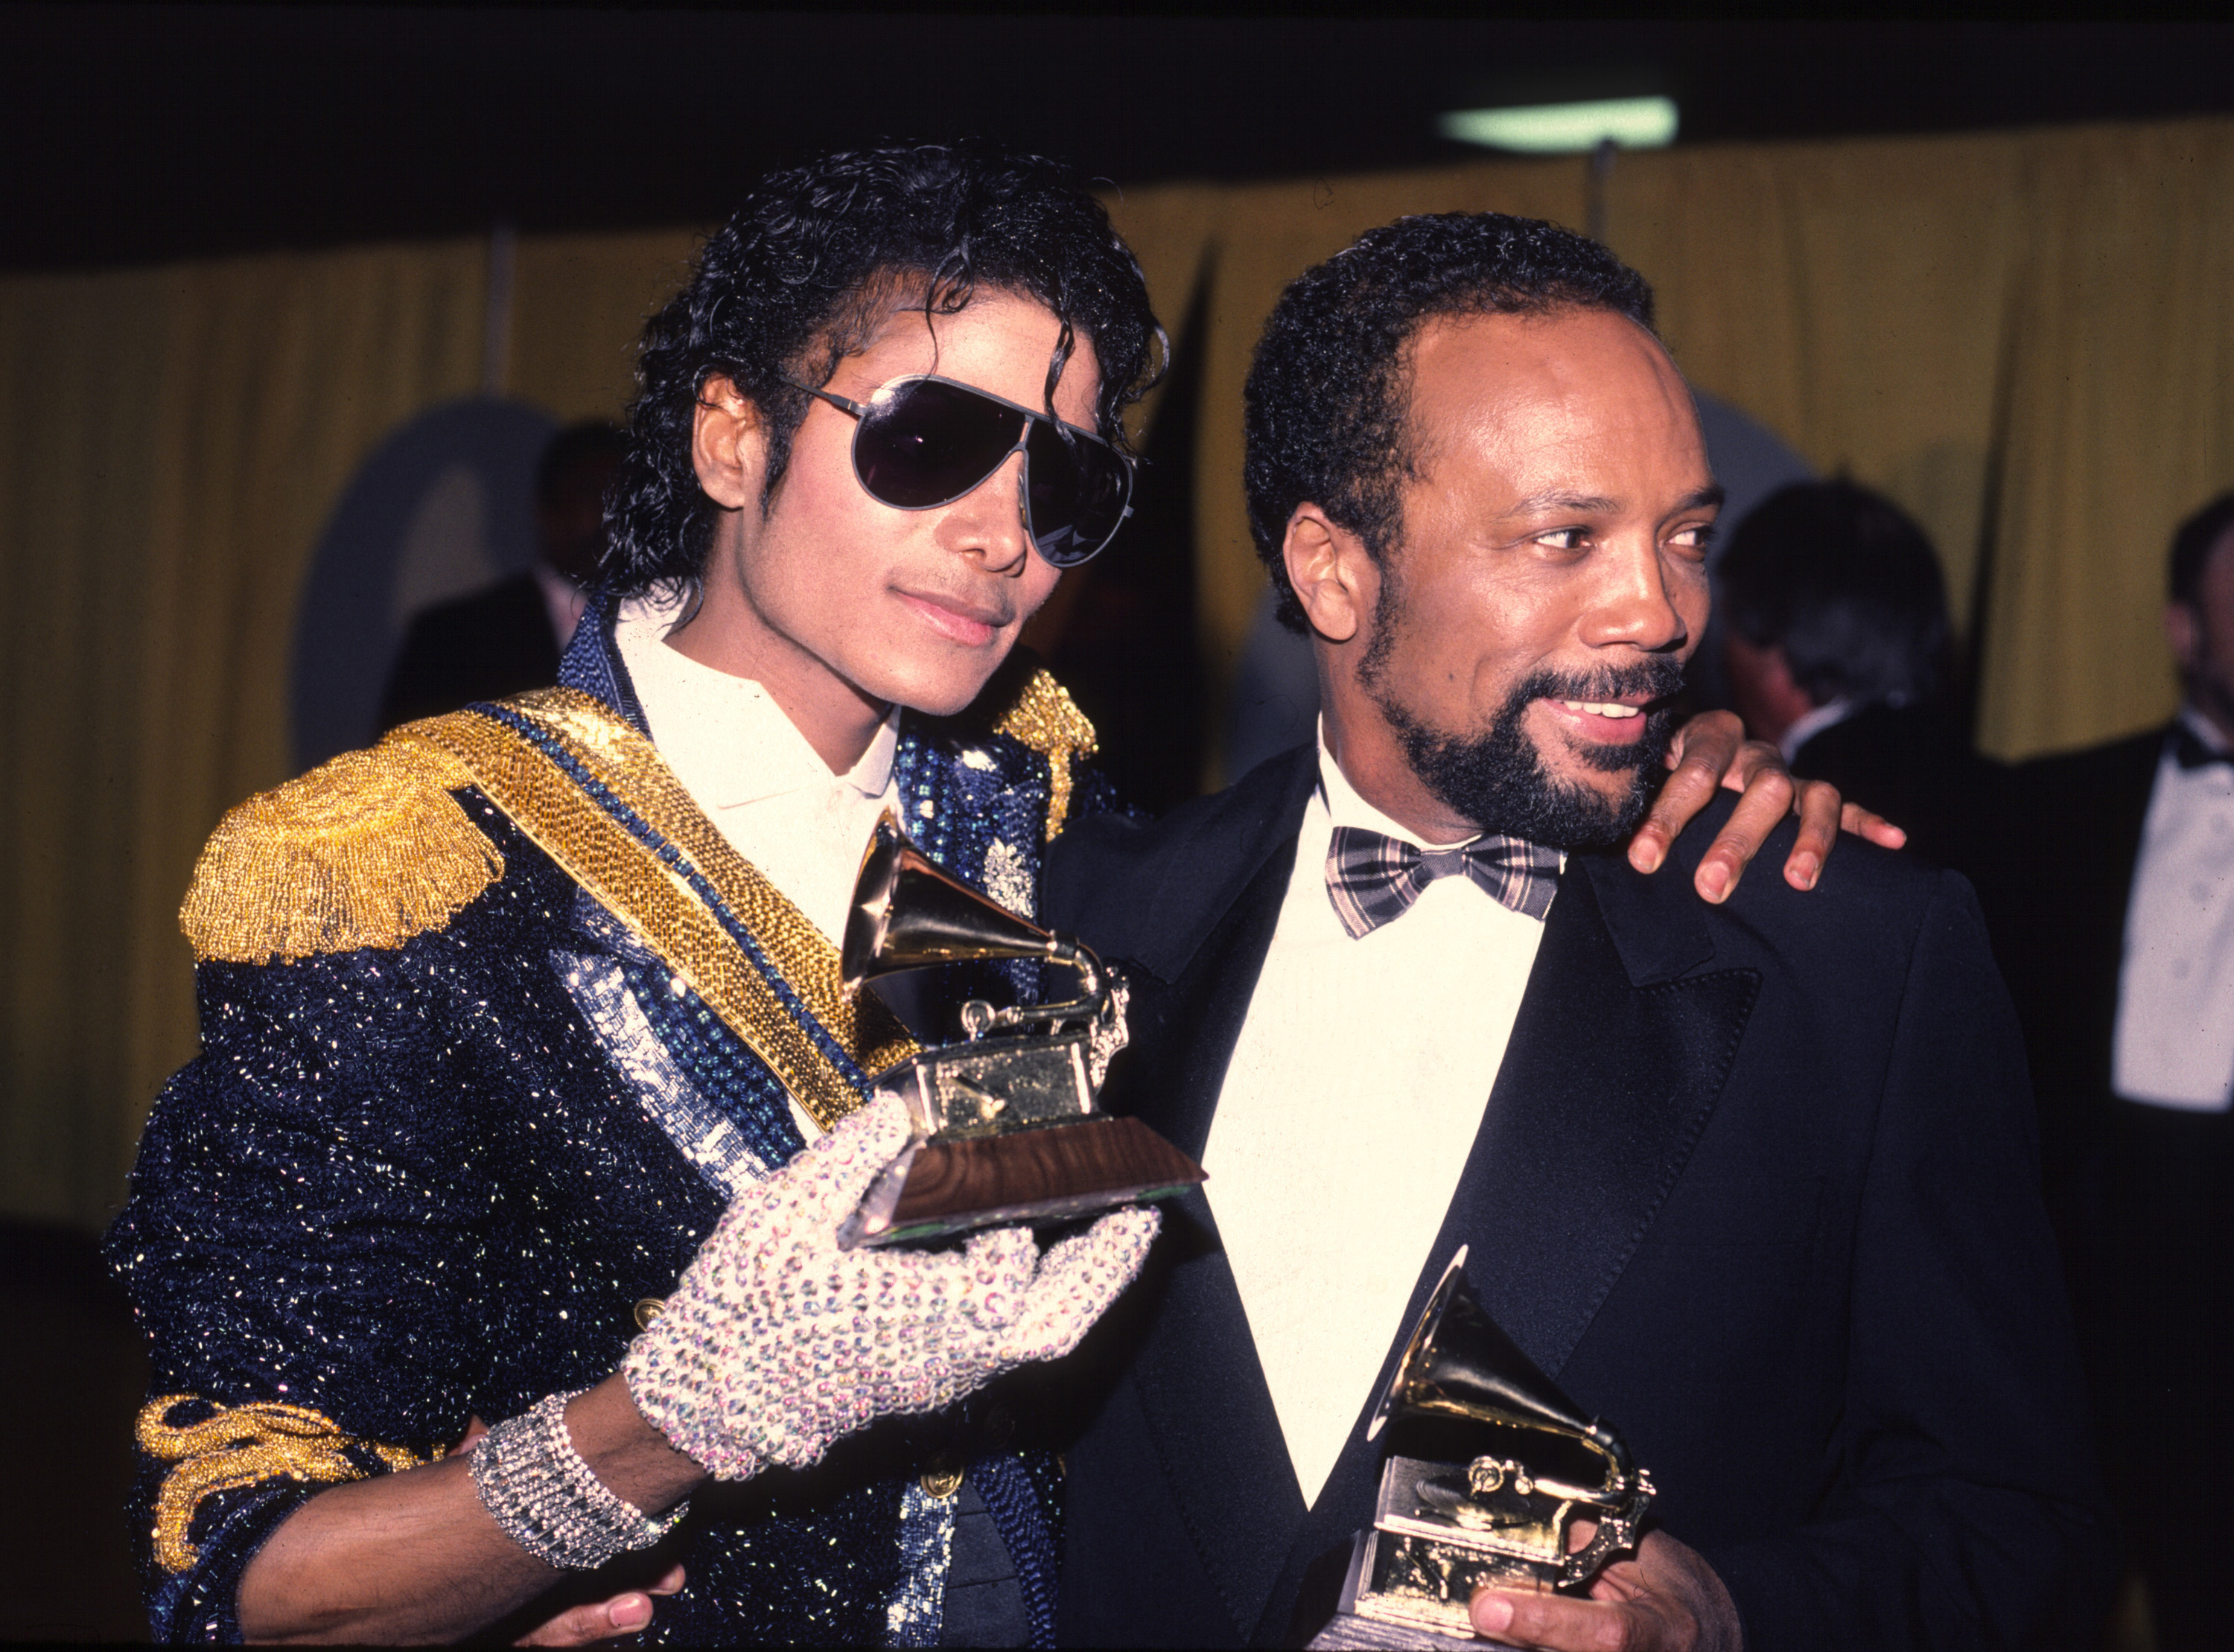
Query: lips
x,y
957,618
1602,722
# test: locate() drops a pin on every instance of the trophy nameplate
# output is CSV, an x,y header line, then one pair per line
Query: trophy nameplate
x,y
1505,1517
1005,1128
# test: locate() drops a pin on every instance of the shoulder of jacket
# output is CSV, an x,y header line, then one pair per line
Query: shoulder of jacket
x,y
366,851
1026,704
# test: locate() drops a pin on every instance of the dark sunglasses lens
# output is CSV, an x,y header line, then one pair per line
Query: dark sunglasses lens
x,y
929,442
1079,491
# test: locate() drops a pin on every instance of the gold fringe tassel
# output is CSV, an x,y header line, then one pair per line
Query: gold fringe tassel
x,y
1045,718
366,851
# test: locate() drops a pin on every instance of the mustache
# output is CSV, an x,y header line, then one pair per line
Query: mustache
x,y
1660,678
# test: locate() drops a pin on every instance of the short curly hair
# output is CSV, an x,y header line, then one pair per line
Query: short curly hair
x,y
1328,391
801,274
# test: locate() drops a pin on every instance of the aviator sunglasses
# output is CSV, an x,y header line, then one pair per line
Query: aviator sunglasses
x,y
923,442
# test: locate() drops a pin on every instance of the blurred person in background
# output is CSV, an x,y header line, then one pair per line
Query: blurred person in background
x,y
510,637
1839,650
2123,970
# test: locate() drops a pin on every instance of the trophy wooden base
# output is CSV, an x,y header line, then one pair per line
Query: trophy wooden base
x,y
953,1184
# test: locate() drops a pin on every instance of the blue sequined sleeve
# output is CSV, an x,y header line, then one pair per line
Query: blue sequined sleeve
x,y
309,1197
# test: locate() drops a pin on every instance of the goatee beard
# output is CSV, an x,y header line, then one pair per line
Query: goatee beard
x,y
1497,780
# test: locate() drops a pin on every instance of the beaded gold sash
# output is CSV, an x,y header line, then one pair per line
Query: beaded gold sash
x,y
594,795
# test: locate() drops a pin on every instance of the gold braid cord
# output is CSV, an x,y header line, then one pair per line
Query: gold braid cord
x,y
1045,718
242,1445
368,850
630,881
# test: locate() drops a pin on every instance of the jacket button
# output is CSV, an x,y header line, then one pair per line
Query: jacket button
x,y
649,1311
942,1476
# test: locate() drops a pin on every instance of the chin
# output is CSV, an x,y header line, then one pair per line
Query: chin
x,y
937,689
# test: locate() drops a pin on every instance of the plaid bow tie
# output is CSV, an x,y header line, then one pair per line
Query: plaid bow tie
x,y
1372,878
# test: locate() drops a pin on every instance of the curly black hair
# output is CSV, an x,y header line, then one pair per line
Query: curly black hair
x,y
802,275
1329,390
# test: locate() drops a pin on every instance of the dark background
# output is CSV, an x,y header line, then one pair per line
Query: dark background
x,y
136,133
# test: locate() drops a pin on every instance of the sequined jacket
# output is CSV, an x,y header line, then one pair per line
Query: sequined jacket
x,y
456,1117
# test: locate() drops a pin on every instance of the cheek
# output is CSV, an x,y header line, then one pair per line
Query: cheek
x,y
1035,586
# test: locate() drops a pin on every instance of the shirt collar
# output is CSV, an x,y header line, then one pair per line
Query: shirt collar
x,y
724,737
1830,713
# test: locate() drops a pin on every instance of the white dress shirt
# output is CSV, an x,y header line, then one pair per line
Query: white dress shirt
x,y
754,776
2175,1033
1829,714
1354,1096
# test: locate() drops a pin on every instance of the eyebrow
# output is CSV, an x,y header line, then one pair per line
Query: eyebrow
x,y
1598,504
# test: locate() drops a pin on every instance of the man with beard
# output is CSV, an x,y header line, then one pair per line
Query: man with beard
x,y
1753,1180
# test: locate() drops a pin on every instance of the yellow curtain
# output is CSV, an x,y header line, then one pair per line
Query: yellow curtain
x,y
170,441
2026,338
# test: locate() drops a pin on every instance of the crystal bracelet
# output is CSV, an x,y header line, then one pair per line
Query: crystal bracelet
x,y
551,1502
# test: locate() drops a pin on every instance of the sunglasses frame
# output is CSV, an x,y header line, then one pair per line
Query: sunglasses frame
x,y
861,412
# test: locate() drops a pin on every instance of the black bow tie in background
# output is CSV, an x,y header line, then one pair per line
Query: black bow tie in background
x,y
1372,878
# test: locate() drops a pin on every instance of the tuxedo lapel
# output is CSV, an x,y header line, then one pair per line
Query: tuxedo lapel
x,y
1613,1067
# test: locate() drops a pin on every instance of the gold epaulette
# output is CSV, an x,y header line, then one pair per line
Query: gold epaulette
x,y
1044,717
368,850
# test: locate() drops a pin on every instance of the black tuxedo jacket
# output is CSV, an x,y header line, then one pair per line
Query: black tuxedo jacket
x,y
2067,944
1755,1182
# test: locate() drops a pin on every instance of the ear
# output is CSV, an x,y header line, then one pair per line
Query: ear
x,y
1338,583
728,445
2183,631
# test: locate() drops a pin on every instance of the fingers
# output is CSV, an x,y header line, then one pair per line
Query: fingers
x,y
602,1621
1817,806
1000,1264
1562,1624
1767,799
840,1165
1703,749
1080,1278
1878,830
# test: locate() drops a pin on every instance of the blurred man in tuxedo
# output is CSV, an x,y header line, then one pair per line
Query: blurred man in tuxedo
x,y
2124,973
1755,1180
1836,648
509,637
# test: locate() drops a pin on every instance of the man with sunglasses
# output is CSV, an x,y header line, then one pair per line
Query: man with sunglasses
x,y
517,1028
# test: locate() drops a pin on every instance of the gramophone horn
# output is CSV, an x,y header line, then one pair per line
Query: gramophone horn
x,y
908,914
1461,1363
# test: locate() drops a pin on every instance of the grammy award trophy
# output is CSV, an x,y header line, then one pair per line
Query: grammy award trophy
x,y
1005,1126
1502,1518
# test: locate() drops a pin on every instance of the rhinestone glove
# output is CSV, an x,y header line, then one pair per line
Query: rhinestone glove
x,y
776,1343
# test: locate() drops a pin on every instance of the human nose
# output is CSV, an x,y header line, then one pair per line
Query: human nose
x,y
1635,604
988,522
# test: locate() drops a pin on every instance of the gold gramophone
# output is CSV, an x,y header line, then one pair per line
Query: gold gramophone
x,y
1005,1126
1502,1519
